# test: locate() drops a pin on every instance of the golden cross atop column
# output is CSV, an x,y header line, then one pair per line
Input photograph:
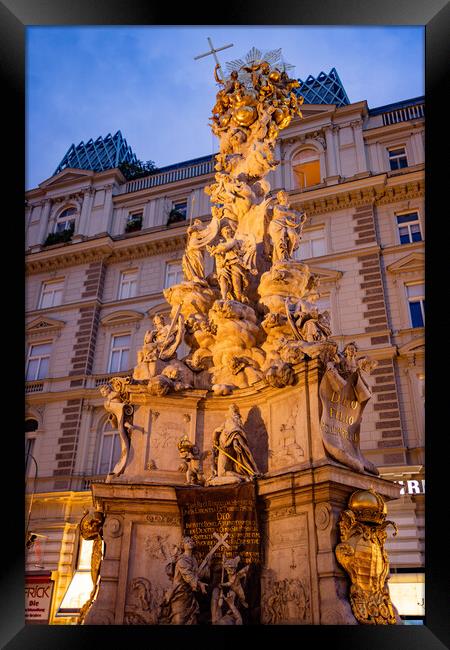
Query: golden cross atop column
x,y
213,51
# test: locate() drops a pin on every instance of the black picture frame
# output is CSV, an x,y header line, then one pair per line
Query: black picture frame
x,y
15,16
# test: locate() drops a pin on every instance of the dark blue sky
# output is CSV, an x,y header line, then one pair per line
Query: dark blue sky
x,y
83,82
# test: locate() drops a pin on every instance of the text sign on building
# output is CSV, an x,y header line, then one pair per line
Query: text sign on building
x,y
412,486
38,598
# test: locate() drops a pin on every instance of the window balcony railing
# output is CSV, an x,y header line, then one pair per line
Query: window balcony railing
x,y
34,387
60,237
404,114
171,176
97,380
63,483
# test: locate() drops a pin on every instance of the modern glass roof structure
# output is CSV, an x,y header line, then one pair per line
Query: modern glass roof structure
x,y
104,153
324,89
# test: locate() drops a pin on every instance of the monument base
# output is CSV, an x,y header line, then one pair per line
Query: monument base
x,y
298,511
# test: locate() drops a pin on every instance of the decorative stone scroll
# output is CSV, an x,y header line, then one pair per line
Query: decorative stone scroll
x,y
344,392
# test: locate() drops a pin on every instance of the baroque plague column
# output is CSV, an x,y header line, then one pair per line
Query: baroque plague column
x,y
233,501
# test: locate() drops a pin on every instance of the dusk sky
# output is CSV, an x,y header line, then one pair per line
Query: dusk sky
x,y
83,82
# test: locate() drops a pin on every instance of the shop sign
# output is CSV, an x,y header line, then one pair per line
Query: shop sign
x,y
38,598
412,486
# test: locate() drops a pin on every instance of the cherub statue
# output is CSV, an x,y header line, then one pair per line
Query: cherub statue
x,y
191,457
235,578
170,380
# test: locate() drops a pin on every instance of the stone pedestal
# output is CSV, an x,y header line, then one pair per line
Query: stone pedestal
x,y
301,494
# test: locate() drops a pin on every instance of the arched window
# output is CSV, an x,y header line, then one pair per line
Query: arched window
x,y
306,168
66,220
109,452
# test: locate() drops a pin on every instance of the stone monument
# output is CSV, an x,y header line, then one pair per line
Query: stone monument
x,y
234,501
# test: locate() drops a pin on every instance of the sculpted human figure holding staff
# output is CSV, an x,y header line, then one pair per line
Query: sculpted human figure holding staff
x,y
233,460
180,606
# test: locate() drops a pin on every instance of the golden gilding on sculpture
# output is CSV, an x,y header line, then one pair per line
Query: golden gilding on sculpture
x,y
362,554
240,398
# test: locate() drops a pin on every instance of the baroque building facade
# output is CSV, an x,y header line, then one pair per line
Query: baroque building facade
x,y
101,249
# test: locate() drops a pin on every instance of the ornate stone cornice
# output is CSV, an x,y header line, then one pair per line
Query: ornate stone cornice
x,y
137,249
88,251
67,256
401,191
337,201
314,134
378,194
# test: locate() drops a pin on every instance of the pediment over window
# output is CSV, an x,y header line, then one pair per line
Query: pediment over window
x,y
66,175
44,325
416,346
163,308
326,275
411,262
121,317
315,109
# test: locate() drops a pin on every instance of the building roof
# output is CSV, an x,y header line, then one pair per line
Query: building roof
x,y
323,89
392,107
99,155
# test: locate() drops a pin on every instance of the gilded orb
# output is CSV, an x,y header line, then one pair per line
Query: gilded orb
x,y
278,115
245,115
368,506
274,76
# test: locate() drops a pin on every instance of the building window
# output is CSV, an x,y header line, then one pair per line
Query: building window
x,y
416,301
178,212
312,244
81,585
407,592
66,220
174,274
31,425
409,227
38,361
109,453
128,284
51,294
397,158
134,221
120,352
306,168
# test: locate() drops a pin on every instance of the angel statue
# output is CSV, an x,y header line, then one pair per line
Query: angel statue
x,y
191,461
285,228
234,258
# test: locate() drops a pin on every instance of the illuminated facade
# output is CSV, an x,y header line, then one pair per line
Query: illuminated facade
x,y
100,250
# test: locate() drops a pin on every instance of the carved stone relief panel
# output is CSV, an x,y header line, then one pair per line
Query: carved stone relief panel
x,y
166,431
286,586
151,547
286,446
